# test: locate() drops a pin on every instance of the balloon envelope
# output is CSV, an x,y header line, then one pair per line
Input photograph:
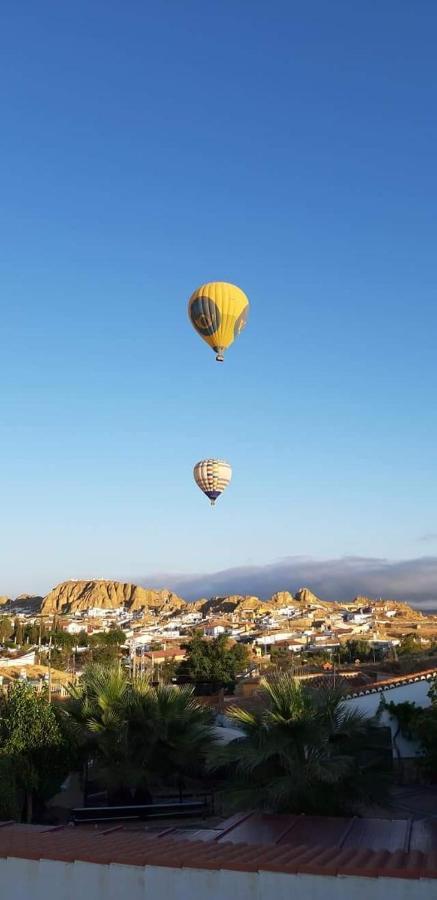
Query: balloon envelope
x,y
218,311
212,476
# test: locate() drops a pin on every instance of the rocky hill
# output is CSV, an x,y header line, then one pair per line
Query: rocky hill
x,y
71,597
233,603
307,598
78,596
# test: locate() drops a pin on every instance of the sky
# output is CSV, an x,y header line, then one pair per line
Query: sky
x,y
147,147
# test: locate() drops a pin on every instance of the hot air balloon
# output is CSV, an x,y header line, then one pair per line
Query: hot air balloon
x,y
218,311
212,476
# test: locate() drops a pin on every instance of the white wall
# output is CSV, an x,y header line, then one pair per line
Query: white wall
x,y
9,662
417,693
48,880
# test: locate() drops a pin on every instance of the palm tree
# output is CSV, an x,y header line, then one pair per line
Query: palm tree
x,y
301,753
138,736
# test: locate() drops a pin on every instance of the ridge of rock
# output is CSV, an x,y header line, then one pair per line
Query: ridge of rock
x,y
73,596
78,596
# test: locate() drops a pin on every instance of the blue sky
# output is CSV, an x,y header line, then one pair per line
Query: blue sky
x,y
146,147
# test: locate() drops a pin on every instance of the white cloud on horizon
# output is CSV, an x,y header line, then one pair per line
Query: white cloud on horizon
x,y
413,580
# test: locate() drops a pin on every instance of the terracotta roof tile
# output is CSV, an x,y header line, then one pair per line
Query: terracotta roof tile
x,y
386,684
310,851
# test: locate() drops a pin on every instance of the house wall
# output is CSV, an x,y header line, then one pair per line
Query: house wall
x,y
417,693
53,880
28,659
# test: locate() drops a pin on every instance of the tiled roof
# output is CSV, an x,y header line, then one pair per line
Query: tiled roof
x,y
289,844
387,684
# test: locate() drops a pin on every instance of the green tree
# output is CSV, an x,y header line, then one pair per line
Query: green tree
x,y
9,800
406,715
32,747
214,660
18,632
409,644
62,640
281,657
115,637
168,671
139,736
304,753
355,649
6,629
103,655
82,639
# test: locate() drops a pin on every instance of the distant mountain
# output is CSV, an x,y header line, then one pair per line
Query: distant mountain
x,y
72,597
29,603
78,596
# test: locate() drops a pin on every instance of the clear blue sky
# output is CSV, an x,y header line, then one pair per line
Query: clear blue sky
x,y
146,147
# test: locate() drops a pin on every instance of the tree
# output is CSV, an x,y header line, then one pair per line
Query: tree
x,y
9,801
82,639
214,660
418,724
31,633
18,632
32,747
103,656
6,629
168,671
409,644
355,649
304,753
115,637
62,640
407,715
138,735
281,657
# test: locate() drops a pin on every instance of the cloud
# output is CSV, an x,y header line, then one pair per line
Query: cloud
x,y
413,580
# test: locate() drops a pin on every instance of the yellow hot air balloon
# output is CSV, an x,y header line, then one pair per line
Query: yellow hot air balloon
x,y
212,476
218,311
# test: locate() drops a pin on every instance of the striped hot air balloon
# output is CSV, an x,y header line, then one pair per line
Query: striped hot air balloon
x,y
218,311
212,476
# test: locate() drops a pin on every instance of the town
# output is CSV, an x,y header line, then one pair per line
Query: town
x,y
121,706
218,468
363,639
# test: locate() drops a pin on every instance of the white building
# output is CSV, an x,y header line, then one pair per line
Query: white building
x,y
411,688
266,640
74,627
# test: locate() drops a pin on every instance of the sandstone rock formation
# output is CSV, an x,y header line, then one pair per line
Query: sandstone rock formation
x,y
78,596
71,597
307,598
283,598
231,604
